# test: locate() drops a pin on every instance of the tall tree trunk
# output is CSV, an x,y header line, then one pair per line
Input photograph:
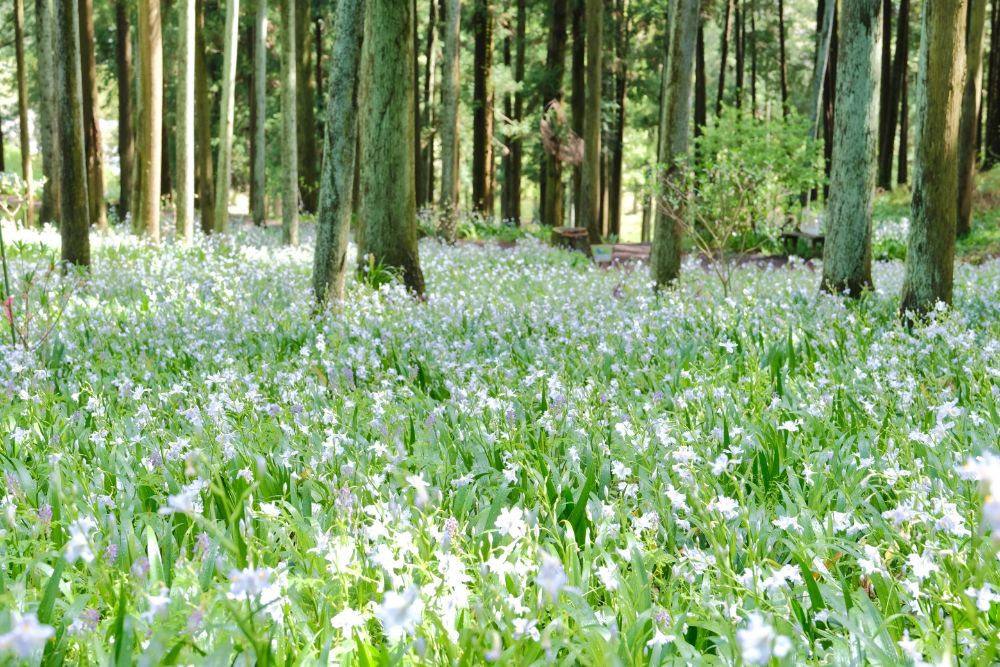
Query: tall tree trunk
x,y
514,58
308,152
741,35
887,100
991,130
482,127
289,135
551,90
782,58
223,174
930,255
700,83
578,97
674,127
74,210
830,101
151,117
418,129
591,169
203,118
126,132
727,34
22,112
336,194
970,115
450,89
259,178
91,116
388,188
753,60
894,88
48,121
185,123
622,55
318,37
847,253
166,182
902,167
425,160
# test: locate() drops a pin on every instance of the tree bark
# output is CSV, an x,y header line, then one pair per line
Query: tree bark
x,y
388,188
782,58
674,122
126,132
305,90
591,169
902,168
48,121
450,128
22,112
930,256
203,119
223,174
753,60
622,55
259,178
91,117
551,91
425,161
991,130
887,100
185,123
700,83
74,209
740,28
847,252
511,203
336,198
969,122
151,117
727,34
289,135
830,102
578,98
482,124
893,89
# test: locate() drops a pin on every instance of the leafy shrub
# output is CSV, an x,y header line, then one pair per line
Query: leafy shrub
x,y
749,172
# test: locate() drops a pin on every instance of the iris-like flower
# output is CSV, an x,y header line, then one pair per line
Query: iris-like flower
x,y
26,636
400,613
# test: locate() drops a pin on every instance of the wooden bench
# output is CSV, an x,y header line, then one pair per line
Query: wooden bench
x,y
811,235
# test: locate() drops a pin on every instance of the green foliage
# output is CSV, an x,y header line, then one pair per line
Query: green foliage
x,y
748,172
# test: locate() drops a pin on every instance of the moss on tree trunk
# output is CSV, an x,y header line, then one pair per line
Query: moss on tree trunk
x,y
336,193
674,126
930,257
388,187
847,254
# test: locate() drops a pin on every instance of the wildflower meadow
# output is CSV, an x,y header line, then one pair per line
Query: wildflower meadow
x,y
542,463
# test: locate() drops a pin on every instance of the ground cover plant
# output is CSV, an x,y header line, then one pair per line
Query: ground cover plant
x,y
543,463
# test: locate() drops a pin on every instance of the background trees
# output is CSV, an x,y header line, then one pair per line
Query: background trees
x,y
575,111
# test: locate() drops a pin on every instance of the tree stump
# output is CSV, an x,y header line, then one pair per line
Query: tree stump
x,y
571,238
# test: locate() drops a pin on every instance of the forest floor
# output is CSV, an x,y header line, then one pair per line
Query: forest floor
x,y
542,462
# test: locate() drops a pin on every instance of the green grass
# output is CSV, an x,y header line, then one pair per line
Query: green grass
x,y
543,463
